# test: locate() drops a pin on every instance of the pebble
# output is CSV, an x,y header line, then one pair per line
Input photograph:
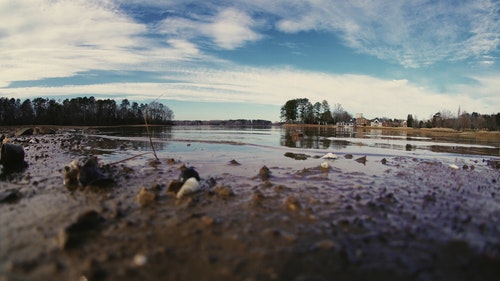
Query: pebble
x,y
223,191
361,160
140,260
264,173
173,186
145,197
258,196
325,165
207,220
330,155
291,203
324,245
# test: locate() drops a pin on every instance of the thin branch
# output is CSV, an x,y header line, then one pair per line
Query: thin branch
x,y
149,135
130,158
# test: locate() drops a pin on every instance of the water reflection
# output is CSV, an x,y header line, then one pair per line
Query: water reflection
x,y
403,140
347,139
315,137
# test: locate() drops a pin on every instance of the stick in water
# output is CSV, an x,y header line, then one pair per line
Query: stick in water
x,y
149,135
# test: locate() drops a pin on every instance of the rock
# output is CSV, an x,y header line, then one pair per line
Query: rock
x,y
330,155
223,191
453,166
291,203
234,163
383,161
91,174
296,156
264,173
348,156
11,155
170,161
324,245
361,160
207,220
174,186
70,174
191,185
145,197
44,131
325,166
258,196
187,173
140,260
24,132
74,234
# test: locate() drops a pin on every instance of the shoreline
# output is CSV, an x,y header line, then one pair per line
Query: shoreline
x,y
440,131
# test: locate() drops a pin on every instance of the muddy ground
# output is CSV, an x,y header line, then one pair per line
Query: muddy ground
x,y
411,219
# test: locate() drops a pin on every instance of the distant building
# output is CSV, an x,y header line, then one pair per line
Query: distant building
x,y
376,123
351,123
360,120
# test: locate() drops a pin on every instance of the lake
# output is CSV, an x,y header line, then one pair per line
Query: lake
x,y
370,141
208,145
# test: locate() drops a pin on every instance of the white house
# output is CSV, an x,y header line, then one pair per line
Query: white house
x,y
376,123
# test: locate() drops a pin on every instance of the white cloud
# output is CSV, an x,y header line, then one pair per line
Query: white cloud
x,y
45,39
414,33
229,29
357,93
51,39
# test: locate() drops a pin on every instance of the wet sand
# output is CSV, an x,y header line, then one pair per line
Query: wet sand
x,y
407,219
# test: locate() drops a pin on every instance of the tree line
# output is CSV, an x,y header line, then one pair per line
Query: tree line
x,y
79,111
464,121
302,111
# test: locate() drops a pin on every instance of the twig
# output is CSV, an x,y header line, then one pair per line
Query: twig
x,y
130,158
149,135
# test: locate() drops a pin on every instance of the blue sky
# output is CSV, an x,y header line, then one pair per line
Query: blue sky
x,y
246,58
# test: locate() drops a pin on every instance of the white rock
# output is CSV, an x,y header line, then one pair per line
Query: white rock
x,y
454,167
330,155
325,165
140,260
190,186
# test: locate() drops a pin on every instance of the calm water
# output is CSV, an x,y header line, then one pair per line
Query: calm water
x,y
175,139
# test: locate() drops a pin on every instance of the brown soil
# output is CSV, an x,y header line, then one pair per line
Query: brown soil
x,y
406,219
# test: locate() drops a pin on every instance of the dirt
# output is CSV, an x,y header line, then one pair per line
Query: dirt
x,y
403,218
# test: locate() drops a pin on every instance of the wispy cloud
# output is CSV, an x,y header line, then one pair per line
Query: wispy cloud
x,y
53,39
413,33
44,39
357,93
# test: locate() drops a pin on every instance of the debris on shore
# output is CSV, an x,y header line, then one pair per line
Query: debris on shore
x,y
88,174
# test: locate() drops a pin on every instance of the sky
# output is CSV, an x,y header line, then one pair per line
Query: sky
x,y
218,59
